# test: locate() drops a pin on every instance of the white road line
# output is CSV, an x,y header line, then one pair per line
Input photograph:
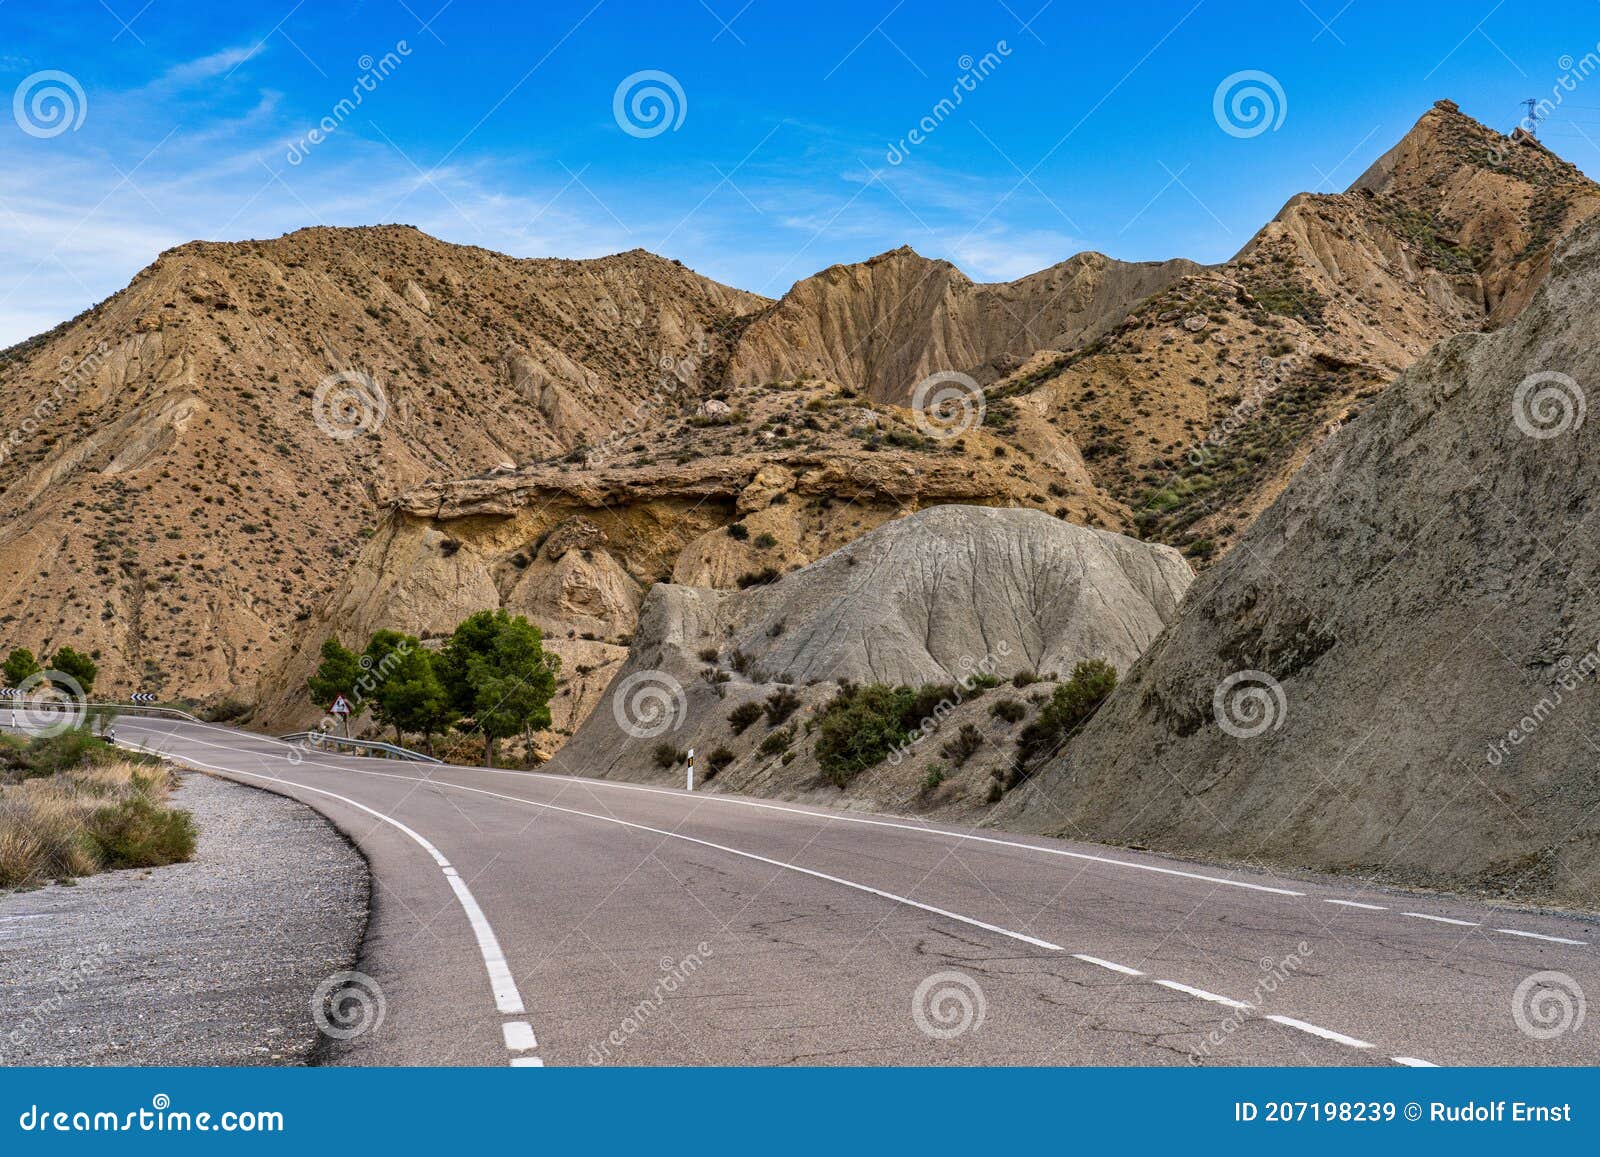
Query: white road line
x,y
964,837
527,1062
1414,1062
519,1036
1357,904
1318,1030
1200,993
1541,936
504,986
1442,919
729,801
1111,964
1240,1005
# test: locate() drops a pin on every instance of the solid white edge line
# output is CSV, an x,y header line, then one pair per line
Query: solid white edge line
x,y
1228,1001
527,1062
735,802
1318,1030
1542,936
1357,904
1443,919
1200,993
1111,964
506,997
1414,1062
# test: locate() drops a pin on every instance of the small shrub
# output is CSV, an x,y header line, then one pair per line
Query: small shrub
x,y
780,705
743,716
709,654
1024,679
666,755
1010,710
777,742
964,745
759,578
936,776
1071,706
717,761
139,833
738,531
766,541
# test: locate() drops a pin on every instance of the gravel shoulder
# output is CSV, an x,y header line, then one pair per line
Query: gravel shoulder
x,y
212,962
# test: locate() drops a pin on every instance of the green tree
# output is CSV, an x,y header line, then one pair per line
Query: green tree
x,y
19,664
496,670
386,652
77,666
473,639
336,675
411,696
514,684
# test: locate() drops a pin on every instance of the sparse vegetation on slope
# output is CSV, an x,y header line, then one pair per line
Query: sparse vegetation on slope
x,y
72,805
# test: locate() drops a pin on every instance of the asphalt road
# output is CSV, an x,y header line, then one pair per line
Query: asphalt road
x,y
533,919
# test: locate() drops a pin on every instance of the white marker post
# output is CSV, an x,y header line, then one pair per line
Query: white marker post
x,y
691,769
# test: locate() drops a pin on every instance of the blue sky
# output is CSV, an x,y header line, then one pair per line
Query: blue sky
x,y
1090,126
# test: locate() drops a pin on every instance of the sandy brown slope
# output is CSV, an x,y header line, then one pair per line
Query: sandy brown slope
x,y
1394,673
177,507
1198,408
726,491
881,326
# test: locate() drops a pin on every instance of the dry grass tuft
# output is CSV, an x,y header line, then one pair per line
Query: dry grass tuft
x,y
104,814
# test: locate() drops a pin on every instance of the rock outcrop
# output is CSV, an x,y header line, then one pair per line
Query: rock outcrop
x,y
1394,673
940,597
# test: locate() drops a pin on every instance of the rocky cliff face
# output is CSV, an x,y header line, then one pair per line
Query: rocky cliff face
x,y
573,544
1198,408
883,325
1394,673
936,597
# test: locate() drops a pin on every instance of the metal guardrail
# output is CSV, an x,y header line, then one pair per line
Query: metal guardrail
x,y
323,739
120,708
311,738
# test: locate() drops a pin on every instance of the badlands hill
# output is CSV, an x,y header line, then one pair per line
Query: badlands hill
x,y
174,503
884,325
1394,672
555,436
945,595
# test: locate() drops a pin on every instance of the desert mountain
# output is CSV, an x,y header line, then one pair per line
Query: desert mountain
x,y
1196,409
883,325
173,501
555,436
936,598
1394,672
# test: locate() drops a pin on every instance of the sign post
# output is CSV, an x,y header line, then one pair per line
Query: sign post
x,y
341,708
691,769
